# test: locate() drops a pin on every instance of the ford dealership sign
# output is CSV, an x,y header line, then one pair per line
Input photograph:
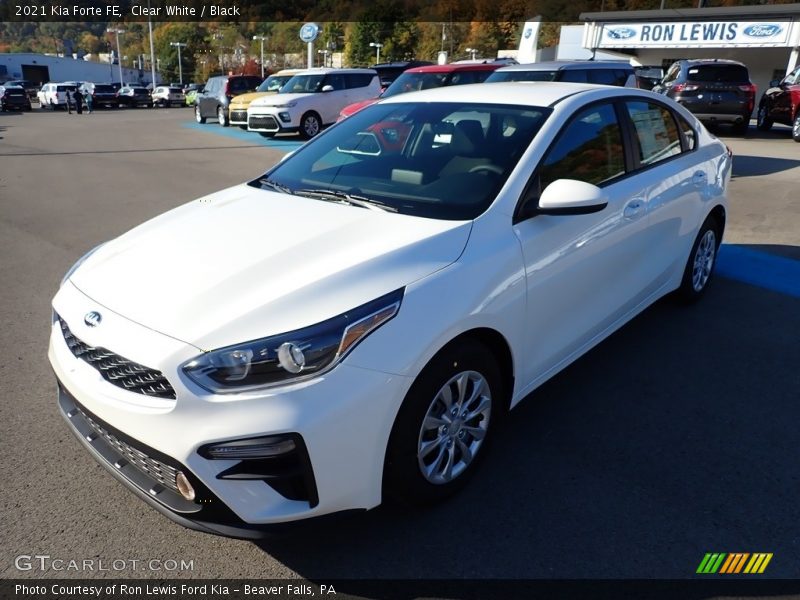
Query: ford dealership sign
x,y
694,34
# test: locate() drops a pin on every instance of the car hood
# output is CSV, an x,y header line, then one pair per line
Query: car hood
x,y
352,109
245,263
249,97
279,99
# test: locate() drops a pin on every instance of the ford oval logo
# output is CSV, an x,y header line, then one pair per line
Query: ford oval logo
x,y
528,33
621,33
763,30
92,319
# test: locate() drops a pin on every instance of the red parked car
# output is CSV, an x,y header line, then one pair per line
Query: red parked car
x,y
433,76
781,104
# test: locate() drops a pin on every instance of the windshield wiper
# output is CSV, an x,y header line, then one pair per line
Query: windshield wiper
x,y
278,187
345,198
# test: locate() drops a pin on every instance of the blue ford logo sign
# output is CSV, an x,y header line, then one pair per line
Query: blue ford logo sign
x,y
527,33
92,319
763,30
308,32
621,33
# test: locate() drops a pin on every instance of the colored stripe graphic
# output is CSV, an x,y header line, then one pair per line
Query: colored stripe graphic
x,y
711,562
733,563
758,563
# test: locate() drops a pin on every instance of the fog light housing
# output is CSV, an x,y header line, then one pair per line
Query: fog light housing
x,y
250,449
184,487
285,117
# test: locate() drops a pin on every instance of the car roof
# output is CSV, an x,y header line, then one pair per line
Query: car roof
x,y
326,70
453,67
711,61
523,93
288,72
571,65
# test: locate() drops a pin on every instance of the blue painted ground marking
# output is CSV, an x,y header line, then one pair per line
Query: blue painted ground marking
x,y
761,269
287,145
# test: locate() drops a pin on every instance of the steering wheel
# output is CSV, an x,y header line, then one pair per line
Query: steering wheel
x,y
488,168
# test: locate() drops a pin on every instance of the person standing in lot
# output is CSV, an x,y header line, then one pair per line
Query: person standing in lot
x,y
89,102
69,97
78,101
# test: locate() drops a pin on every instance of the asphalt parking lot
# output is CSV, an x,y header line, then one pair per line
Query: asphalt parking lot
x,y
676,437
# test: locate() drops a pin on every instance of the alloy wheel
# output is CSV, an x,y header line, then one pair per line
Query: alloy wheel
x,y
454,427
704,260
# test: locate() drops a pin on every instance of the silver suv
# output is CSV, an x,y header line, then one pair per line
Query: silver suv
x,y
605,72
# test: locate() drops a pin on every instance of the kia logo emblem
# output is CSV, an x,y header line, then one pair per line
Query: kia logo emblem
x,y
92,319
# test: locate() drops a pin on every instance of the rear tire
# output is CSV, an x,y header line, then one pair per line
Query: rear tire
x,y
702,260
796,127
741,128
198,116
763,122
222,116
443,426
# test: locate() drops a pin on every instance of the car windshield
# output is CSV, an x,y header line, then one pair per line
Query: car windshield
x,y
413,82
273,83
302,84
438,160
549,75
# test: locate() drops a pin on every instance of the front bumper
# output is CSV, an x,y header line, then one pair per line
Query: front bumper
x,y
343,419
271,121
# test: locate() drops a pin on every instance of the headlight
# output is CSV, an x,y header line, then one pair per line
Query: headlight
x,y
287,105
80,261
288,357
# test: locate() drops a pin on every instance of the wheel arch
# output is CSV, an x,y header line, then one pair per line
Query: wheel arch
x,y
719,215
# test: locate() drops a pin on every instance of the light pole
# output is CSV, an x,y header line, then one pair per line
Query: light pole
x,y
262,38
179,45
377,47
119,54
220,37
473,52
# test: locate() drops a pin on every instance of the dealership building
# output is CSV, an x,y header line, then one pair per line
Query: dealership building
x,y
766,38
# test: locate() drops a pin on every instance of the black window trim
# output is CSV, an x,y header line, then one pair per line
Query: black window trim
x,y
533,180
630,144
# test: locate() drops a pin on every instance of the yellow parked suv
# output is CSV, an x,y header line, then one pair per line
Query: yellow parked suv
x,y
237,110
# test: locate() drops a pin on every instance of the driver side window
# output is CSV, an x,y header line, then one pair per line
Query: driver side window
x,y
588,149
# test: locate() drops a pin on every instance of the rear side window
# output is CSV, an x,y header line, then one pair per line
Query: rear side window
x,y
719,74
465,77
689,136
588,149
656,131
358,80
574,76
603,76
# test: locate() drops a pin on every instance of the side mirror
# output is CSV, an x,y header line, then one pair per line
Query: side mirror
x,y
571,197
327,88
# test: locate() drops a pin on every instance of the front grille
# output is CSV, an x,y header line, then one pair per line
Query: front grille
x,y
267,122
118,370
240,116
155,469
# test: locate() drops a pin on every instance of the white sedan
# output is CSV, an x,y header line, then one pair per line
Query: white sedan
x,y
348,327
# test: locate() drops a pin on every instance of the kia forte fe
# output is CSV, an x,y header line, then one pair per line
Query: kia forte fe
x,y
351,326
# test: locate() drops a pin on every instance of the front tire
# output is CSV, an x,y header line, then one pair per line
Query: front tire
x,y
198,115
796,127
222,116
763,122
442,428
701,263
310,125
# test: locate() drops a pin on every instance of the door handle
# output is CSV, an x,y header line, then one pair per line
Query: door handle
x,y
633,209
699,178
